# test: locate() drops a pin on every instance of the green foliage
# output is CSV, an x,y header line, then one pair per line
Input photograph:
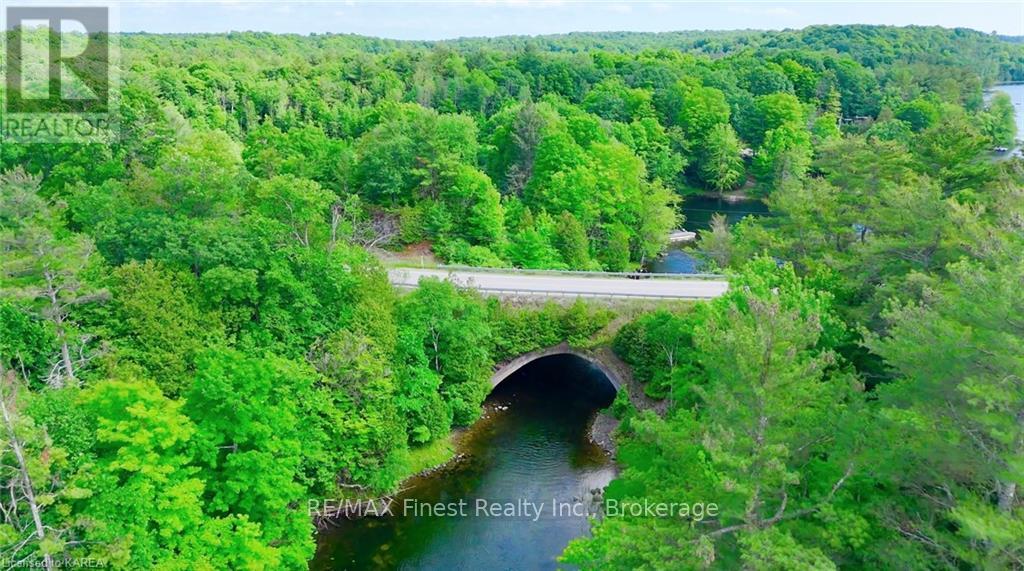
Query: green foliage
x,y
920,113
949,404
700,110
616,253
951,151
453,335
826,128
430,455
998,121
67,424
155,322
46,266
784,156
249,442
298,205
533,246
572,242
474,206
892,130
657,146
27,344
359,414
720,165
660,463
613,100
142,503
774,111
518,331
201,339
401,156
659,347
33,468
769,395
716,243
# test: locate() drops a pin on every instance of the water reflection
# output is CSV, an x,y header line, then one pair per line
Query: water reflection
x,y
531,447
682,259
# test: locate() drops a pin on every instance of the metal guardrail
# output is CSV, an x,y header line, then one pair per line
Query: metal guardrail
x,y
545,293
581,273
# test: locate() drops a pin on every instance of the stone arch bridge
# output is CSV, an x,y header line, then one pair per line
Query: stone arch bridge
x,y
618,373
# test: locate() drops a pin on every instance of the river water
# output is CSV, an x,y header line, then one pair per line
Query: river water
x,y
698,210
1016,93
532,446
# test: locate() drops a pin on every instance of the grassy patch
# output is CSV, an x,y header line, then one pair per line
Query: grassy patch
x,y
430,455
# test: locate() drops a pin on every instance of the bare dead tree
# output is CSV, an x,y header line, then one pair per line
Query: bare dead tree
x,y
62,292
42,264
21,490
352,222
381,229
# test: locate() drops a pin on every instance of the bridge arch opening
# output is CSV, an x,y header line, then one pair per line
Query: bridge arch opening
x,y
562,370
507,369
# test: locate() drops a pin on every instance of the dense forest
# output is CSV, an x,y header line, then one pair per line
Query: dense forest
x,y
197,333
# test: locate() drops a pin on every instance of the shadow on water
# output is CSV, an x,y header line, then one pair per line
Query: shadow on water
x,y
532,445
699,209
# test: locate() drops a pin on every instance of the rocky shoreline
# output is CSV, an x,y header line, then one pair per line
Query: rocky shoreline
x,y
601,430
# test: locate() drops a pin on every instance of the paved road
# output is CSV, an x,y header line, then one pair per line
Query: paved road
x,y
554,285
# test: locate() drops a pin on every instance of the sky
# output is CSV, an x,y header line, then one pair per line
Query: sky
x,y
441,20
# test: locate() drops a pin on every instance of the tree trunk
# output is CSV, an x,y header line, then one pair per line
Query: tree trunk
x,y
57,315
1008,490
1007,496
65,358
26,481
436,337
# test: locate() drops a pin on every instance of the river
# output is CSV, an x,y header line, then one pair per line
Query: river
x,y
1016,93
698,210
531,446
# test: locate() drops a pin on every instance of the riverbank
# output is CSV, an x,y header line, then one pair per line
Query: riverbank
x,y
530,445
1016,93
423,463
602,431
426,461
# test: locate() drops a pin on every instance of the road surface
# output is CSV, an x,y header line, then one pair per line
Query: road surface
x,y
566,285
